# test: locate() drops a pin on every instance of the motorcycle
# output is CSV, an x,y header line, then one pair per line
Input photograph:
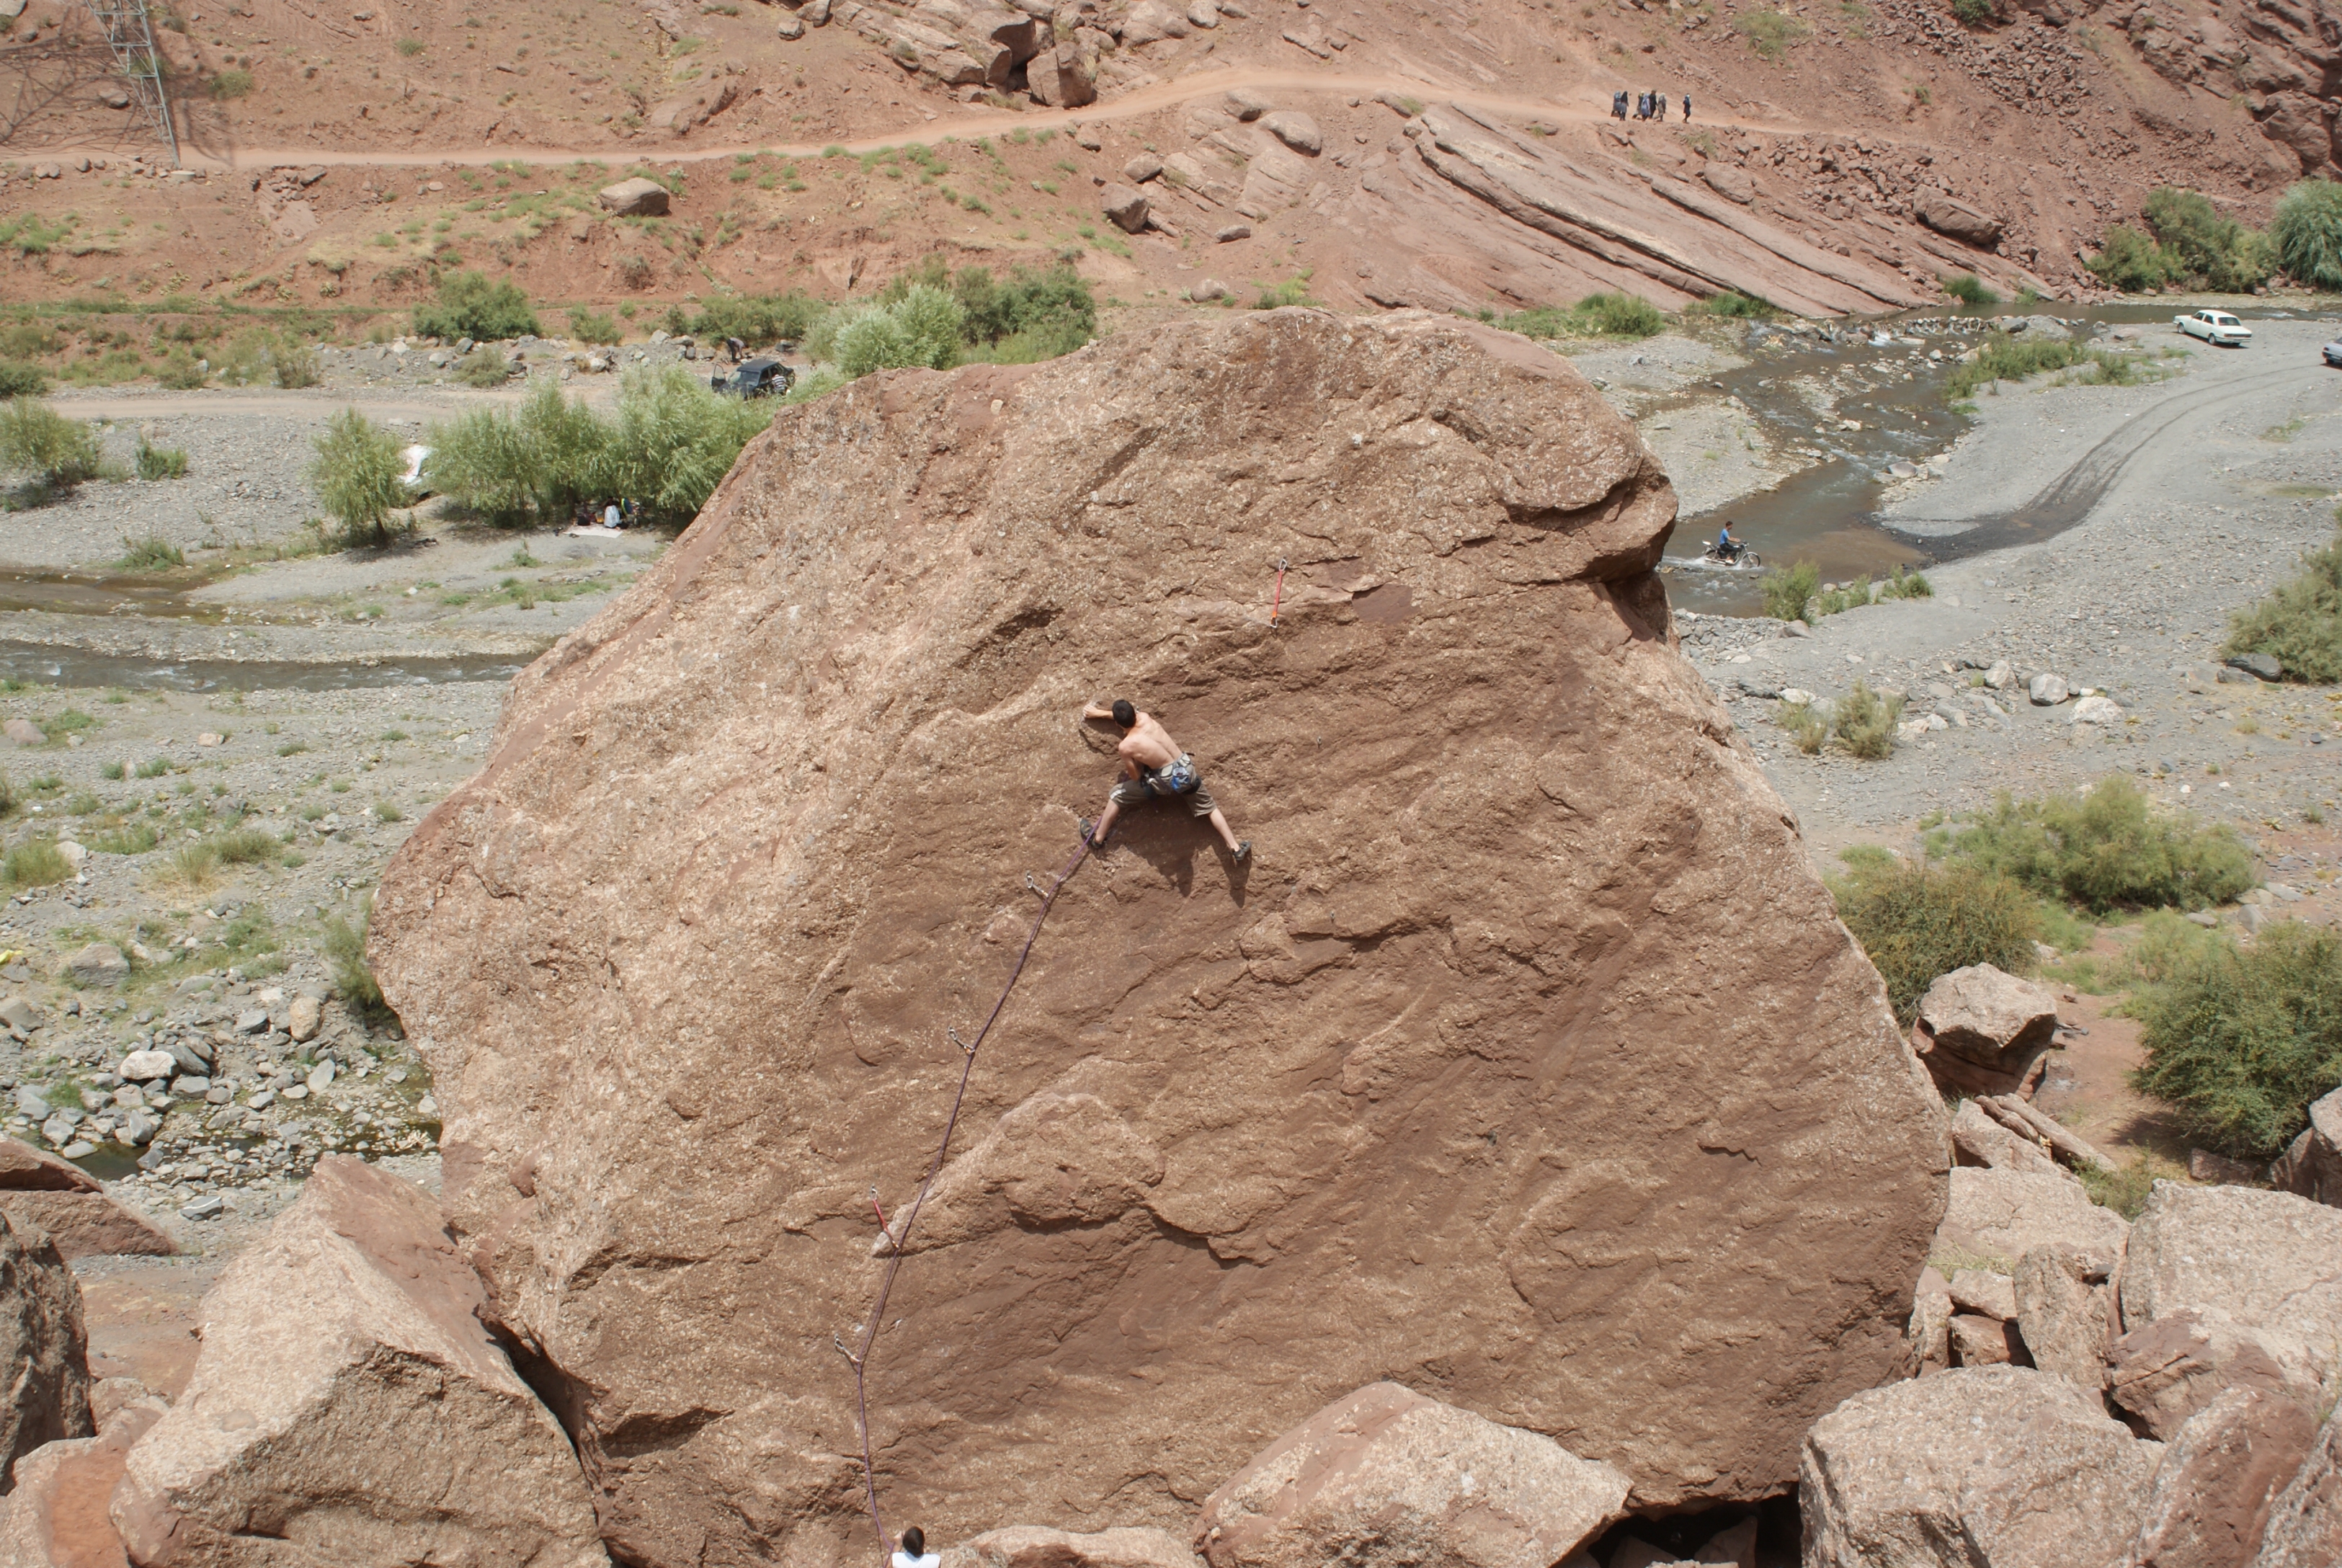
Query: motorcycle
x,y
1714,555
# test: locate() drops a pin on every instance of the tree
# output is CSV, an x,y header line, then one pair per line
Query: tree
x,y
360,477
471,306
2307,232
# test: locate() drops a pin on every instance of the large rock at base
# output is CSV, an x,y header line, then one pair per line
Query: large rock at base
x,y
1995,1217
56,1517
99,963
2311,1165
1126,206
349,1407
1983,1031
636,198
2305,1523
1957,219
72,1206
686,950
2167,1370
2268,1260
2222,1471
44,1349
1985,1467
1038,1547
2065,1312
1387,1474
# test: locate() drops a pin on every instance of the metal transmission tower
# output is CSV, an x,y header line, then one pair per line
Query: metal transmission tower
x,y
131,39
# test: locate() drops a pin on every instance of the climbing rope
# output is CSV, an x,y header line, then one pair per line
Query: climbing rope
x,y
896,1244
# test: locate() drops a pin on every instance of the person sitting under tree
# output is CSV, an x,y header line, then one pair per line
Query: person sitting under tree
x,y
1153,768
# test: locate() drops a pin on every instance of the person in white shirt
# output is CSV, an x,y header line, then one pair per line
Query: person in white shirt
x,y
915,1552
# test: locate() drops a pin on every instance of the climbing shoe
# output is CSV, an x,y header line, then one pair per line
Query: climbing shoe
x,y
1089,833
1244,850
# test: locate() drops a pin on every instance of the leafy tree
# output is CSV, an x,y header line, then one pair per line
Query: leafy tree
x,y
2241,1040
2308,233
920,329
471,306
360,477
2202,243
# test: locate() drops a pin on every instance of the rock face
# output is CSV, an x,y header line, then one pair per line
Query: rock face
x,y
2003,1467
2311,1166
71,1205
1983,1031
2167,1370
1387,1474
1506,1013
2264,1259
1995,1217
349,1407
1037,1546
2305,1523
2210,1507
636,198
55,1517
43,1351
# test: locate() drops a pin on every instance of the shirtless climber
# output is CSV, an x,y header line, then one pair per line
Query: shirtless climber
x,y
1153,768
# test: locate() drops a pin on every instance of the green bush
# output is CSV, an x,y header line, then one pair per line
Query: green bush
x,y
520,468
244,846
1031,315
674,441
1805,727
151,554
1734,305
469,305
359,477
758,319
921,329
19,379
35,440
2001,358
35,863
1918,921
1595,315
345,950
1790,592
2299,625
2201,246
1970,289
231,83
2307,232
161,461
2131,262
1863,722
2106,850
1769,33
590,327
1903,585
2241,1040
292,364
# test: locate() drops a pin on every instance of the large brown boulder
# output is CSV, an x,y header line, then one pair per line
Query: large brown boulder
x,y
2066,1311
2164,1372
2266,1259
2311,1165
1530,1004
1955,219
55,1517
1983,1467
1995,1217
1983,1031
2305,1523
349,1407
2221,1472
1387,1474
72,1206
43,1348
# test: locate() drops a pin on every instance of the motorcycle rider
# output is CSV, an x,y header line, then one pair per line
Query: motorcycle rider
x,y
1729,545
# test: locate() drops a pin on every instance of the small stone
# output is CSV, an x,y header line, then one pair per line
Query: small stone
x,y
210,738
2263,667
297,1091
20,1012
2047,691
426,1107
303,1018
1142,168
262,1100
252,1023
2096,710
210,1206
137,1127
1229,233
146,1066
190,1087
321,1077
789,26
1210,289
2001,675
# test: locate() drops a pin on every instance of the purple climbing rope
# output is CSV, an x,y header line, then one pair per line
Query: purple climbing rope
x,y
860,1355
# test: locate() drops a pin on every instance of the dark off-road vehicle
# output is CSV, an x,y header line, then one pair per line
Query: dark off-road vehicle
x,y
764,377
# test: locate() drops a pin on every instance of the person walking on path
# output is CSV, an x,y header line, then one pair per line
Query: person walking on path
x,y
1660,101
1153,768
1687,108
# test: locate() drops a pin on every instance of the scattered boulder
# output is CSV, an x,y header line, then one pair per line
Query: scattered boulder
x,y
2311,1166
2047,691
1296,130
634,198
1142,168
147,1066
1957,219
21,1013
1229,233
789,25
1995,1217
44,1350
346,1345
1210,289
55,1517
2064,1311
1733,184
1979,1140
1136,435
1983,1293
1983,1031
1983,1341
2260,666
1386,1465
1126,206
2166,1371
23,732
1249,104
1990,1465
72,1206
1037,1546
2265,1259
816,13
99,963
304,1018
2305,1523
2096,710
2221,1472
687,111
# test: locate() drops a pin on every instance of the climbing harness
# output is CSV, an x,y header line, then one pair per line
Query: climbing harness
x,y
1278,603
896,1244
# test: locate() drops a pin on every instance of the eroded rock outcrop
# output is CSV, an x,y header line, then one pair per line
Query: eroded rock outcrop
x,y
2266,1260
750,841
43,1348
349,1406
1983,1031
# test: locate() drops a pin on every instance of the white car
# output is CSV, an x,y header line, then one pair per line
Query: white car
x,y
2214,326
416,484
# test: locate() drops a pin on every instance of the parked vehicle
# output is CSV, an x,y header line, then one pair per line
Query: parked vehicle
x,y
2334,353
761,377
2216,327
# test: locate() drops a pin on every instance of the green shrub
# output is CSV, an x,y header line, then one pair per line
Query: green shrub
x,y
2001,358
1030,316
2299,625
1970,289
484,367
231,83
469,305
2106,850
19,379
345,950
292,364
161,461
758,320
529,466
2307,232
2131,262
151,554
34,862
1805,727
244,846
1790,592
1595,315
359,477
1734,305
921,329
56,453
589,327
1973,13
674,441
1863,722
1903,585
2202,247
1918,921
2241,1040
154,767
1769,33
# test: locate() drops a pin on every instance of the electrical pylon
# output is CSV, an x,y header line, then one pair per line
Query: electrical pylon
x,y
131,38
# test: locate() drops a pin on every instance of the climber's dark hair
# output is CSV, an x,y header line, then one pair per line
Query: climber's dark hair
x,y
915,1542
1124,714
